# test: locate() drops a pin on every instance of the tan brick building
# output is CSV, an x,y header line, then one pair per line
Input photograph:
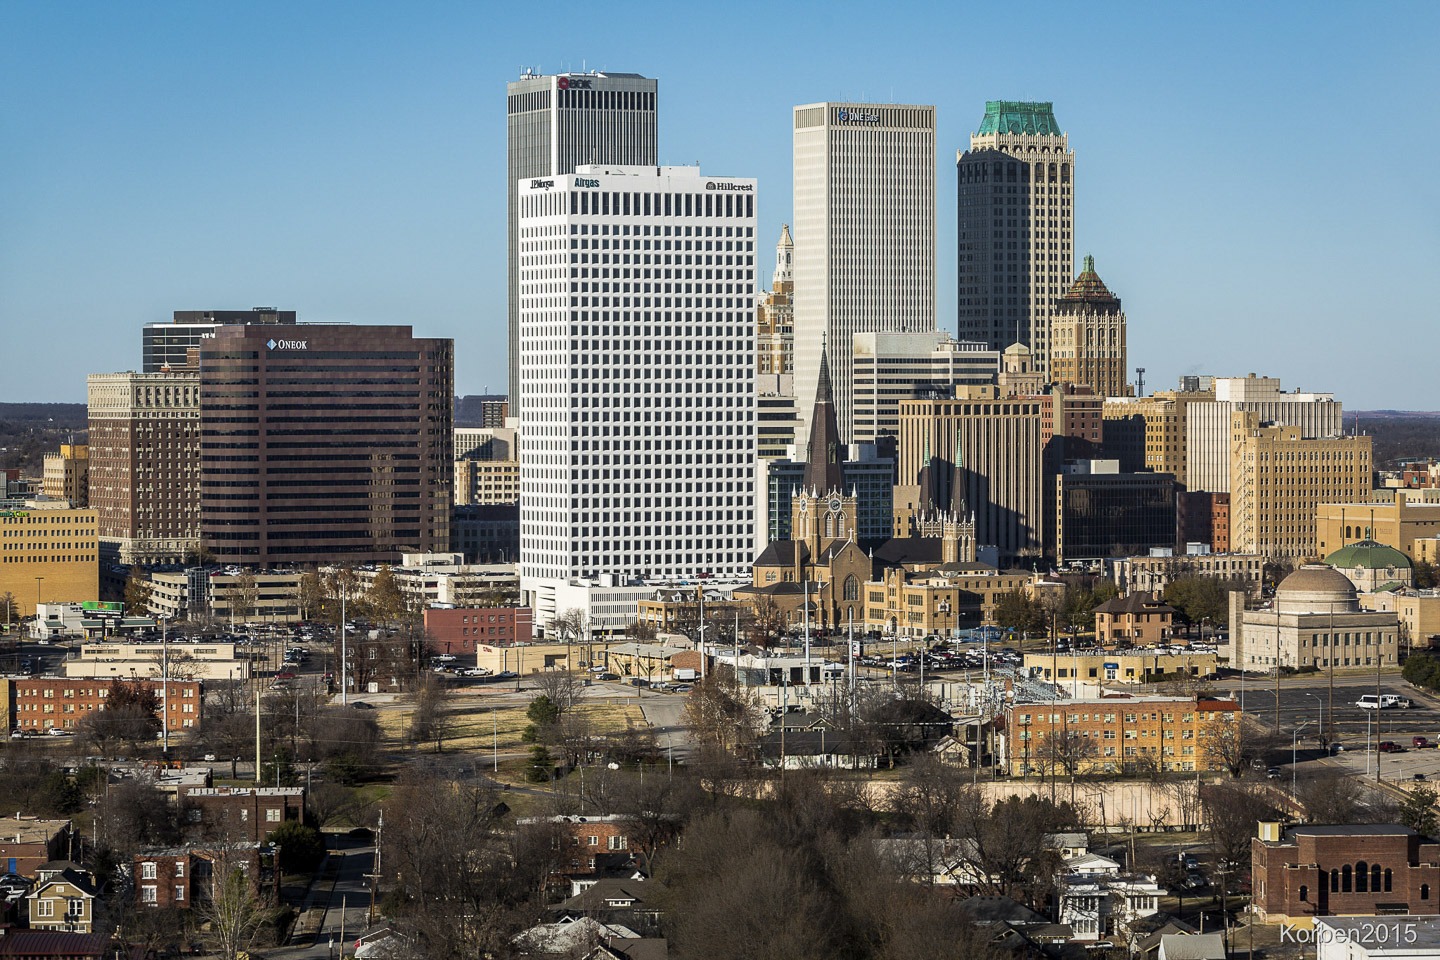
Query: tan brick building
x,y
1396,518
49,554
938,601
1277,479
1148,433
1301,872
67,474
1087,337
1116,733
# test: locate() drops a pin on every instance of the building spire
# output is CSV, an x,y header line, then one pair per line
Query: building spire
x,y
822,470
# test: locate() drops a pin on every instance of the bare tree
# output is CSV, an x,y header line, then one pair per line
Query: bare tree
x,y
1332,796
563,687
722,713
1066,749
244,596
1234,740
232,912
430,720
1231,812
767,623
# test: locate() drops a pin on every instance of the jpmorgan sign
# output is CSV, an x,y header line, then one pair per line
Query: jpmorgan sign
x,y
288,344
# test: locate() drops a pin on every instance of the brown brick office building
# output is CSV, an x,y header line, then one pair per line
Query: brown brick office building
x,y
324,444
1354,869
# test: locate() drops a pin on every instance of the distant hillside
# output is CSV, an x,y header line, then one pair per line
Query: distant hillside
x,y
1400,435
30,430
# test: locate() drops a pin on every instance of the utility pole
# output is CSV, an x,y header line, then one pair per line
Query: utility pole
x,y
344,683
375,874
164,689
257,733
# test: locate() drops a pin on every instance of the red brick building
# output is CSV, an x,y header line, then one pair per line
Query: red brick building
x,y
64,701
180,876
591,842
1354,869
457,631
27,842
239,813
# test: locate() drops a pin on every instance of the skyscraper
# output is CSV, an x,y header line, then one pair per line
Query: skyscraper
x,y
637,333
167,345
1016,211
556,123
864,236
331,445
1087,337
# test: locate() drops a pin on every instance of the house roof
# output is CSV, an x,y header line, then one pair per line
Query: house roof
x,y
1137,602
1192,946
639,948
70,877
898,551
781,553
999,910
45,943
812,743
599,895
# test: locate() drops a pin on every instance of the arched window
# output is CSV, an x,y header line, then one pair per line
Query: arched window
x,y
1304,893
1334,881
830,525
1362,878
1345,873
852,587
1387,879
1375,878
1424,891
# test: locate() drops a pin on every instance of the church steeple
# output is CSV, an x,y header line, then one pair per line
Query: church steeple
x,y
784,259
825,452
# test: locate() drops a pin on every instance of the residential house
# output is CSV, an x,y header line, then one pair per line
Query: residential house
x,y
1137,620
63,899
1099,901
180,876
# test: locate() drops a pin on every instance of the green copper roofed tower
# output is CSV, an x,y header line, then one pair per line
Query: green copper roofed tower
x,y
1019,117
1016,209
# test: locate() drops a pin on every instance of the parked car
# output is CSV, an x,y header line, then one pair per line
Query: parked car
x,y
609,676
1419,743
1390,746
362,705
1273,773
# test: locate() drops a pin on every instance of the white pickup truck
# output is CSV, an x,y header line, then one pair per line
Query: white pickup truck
x,y
1384,701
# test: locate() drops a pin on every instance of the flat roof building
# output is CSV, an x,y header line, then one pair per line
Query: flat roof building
x,y
637,422
864,200
329,444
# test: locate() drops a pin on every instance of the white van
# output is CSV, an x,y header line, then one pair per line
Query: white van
x,y
1385,701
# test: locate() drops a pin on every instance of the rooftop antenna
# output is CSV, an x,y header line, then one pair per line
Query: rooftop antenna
x,y
1140,381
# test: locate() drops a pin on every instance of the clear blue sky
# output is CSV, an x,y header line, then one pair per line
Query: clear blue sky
x,y
1256,181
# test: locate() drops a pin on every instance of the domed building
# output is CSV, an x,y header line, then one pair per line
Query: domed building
x,y
1315,621
1372,566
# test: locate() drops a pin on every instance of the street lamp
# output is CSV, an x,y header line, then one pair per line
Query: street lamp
x,y
1294,753
1320,712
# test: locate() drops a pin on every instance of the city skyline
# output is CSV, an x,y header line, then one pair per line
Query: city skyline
x,y
348,167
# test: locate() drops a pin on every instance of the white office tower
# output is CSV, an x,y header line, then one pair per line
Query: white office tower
x,y
864,236
637,338
554,124
1209,437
